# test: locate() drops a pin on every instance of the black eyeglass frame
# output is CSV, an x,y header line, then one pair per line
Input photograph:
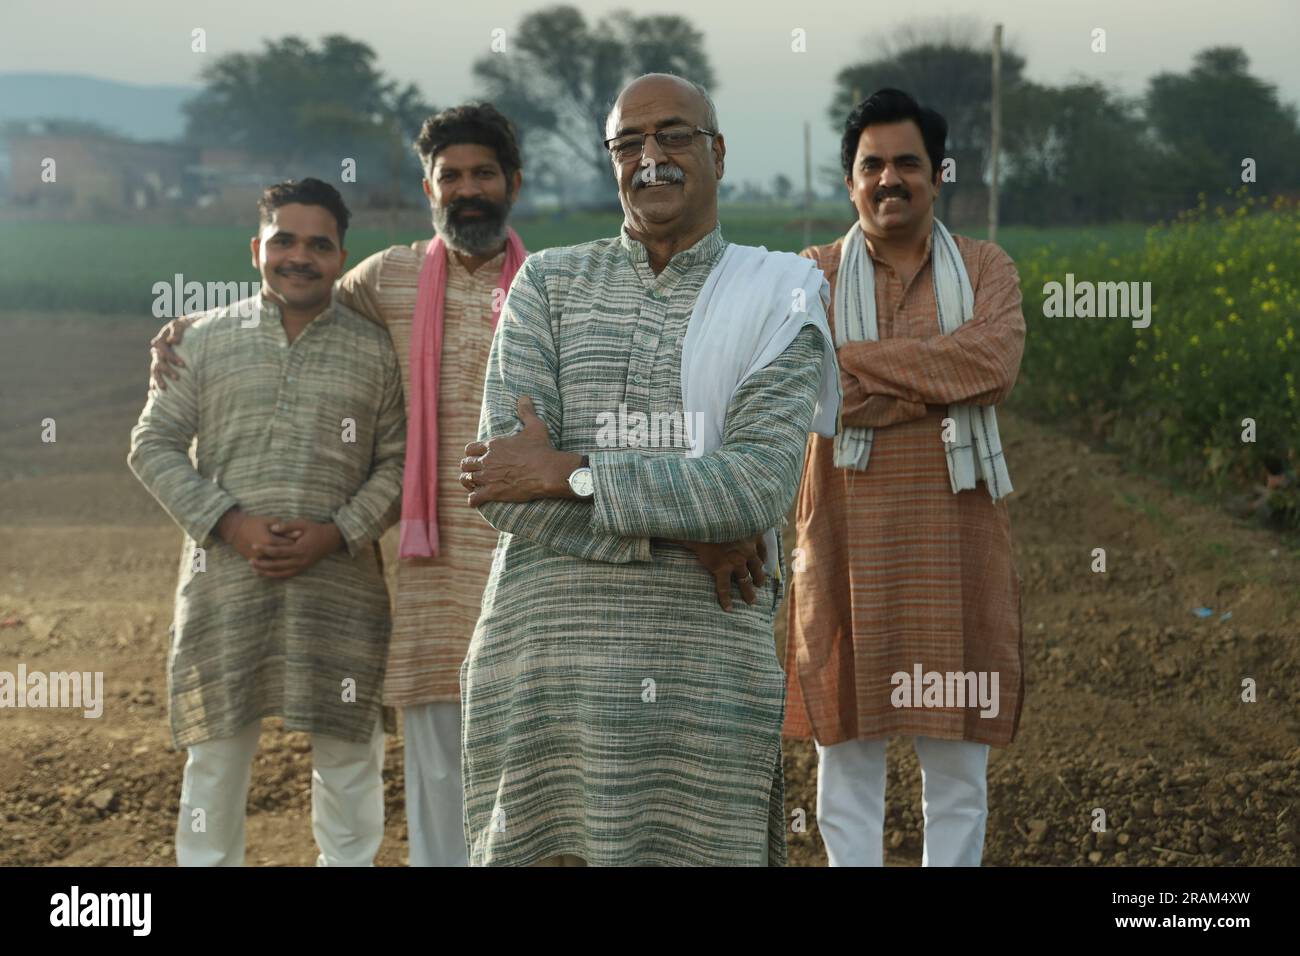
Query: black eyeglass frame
x,y
695,131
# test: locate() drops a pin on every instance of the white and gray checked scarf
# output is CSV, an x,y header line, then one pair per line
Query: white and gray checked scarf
x,y
976,452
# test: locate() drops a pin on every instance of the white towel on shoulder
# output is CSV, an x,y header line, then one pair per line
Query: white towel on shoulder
x,y
750,309
975,454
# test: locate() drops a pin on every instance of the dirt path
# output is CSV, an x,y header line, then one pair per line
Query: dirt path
x,y
1134,704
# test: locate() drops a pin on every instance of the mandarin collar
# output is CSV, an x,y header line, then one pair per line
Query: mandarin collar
x,y
703,250
929,242
270,311
492,267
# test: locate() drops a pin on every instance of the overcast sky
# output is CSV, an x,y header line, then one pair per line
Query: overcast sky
x,y
764,92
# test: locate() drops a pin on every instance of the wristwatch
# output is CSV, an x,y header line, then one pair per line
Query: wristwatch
x,y
580,481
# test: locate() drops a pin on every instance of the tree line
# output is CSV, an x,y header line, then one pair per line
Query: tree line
x,y
1076,153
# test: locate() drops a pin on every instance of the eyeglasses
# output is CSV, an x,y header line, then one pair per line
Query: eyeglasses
x,y
674,139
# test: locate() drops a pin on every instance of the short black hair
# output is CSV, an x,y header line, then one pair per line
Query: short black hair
x,y
480,124
309,192
892,106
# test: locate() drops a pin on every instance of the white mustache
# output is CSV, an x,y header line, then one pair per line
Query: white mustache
x,y
662,174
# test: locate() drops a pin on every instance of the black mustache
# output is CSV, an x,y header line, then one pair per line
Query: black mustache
x,y
892,193
480,205
305,273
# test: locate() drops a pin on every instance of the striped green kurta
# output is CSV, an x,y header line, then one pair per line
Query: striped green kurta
x,y
612,710
270,418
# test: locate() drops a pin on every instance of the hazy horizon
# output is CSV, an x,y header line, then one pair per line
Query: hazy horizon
x,y
764,90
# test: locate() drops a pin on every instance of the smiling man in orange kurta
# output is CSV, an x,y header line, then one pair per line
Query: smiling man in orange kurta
x,y
905,605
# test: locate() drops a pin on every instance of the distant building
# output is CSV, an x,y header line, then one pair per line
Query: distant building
x,y
226,178
95,172
98,174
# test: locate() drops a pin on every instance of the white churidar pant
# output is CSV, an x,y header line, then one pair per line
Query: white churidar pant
x,y
435,814
851,801
347,799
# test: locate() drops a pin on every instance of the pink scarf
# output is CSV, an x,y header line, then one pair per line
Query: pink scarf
x,y
419,524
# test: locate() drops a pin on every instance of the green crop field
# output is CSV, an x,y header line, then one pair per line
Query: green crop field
x,y
1208,392
107,268
1220,348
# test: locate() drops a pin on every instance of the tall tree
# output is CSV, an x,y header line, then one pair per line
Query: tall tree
x,y
558,75
1212,118
782,187
1076,154
945,65
297,105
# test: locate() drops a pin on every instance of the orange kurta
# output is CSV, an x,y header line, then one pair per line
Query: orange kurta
x,y
895,570
435,600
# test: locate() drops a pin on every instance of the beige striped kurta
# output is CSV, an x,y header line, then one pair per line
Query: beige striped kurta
x,y
435,600
271,418
894,569
612,710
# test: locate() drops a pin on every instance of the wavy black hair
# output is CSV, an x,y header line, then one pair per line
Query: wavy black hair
x,y
309,192
893,106
479,123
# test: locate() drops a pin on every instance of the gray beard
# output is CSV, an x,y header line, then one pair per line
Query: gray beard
x,y
470,238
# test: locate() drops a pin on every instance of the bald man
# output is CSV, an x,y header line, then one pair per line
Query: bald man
x,y
644,417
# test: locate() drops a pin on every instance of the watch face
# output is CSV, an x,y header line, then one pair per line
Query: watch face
x,y
582,484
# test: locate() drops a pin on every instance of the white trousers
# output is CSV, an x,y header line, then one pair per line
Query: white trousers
x,y
435,814
347,799
851,801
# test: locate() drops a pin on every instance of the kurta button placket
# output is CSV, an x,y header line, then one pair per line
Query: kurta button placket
x,y
298,352
651,317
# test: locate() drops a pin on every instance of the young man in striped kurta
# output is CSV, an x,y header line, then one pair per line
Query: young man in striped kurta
x,y
899,572
295,404
615,713
472,177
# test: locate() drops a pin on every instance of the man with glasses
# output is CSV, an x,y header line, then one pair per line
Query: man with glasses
x,y
619,708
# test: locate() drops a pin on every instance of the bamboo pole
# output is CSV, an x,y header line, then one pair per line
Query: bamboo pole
x,y
995,139
807,184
